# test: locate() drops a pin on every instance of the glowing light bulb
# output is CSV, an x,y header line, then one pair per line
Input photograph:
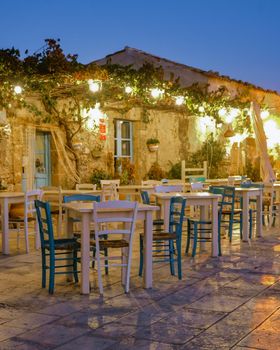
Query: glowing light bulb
x,y
18,89
264,114
94,85
222,112
128,89
157,93
201,109
179,100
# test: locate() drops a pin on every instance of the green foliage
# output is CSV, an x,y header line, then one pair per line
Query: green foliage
x,y
97,175
156,172
152,141
214,152
175,171
252,171
125,171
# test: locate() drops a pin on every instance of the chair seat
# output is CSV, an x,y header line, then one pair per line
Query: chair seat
x,y
64,244
56,211
162,235
111,243
235,212
20,219
158,222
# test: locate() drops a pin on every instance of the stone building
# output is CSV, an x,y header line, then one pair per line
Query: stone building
x,y
34,154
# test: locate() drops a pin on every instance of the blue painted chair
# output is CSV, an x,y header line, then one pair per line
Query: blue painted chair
x,y
201,230
57,254
158,223
164,242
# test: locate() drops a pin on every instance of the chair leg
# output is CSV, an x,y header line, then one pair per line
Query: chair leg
x,y
44,272
141,257
18,233
179,258
106,256
188,238
75,266
171,257
52,273
194,239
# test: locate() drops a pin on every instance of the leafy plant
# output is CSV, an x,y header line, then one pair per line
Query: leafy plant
x,y
155,172
125,171
152,141
214,152
99,174
175,171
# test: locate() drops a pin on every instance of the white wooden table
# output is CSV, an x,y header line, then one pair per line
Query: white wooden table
x,y
85,212
7,198
246,194
202,199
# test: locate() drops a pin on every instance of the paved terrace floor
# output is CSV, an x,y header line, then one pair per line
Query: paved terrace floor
x,y
231,302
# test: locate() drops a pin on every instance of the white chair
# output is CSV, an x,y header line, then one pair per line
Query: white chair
x,y
21,216
85,187
171,188
150,182
107,216
109,189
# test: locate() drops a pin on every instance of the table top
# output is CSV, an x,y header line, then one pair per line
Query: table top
x,y
88,207
248,189
188,195
11,194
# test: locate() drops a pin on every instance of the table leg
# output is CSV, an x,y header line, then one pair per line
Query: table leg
x,y
203,217
166,210
215,224
85,254
259,215
5,226
245,216
148,247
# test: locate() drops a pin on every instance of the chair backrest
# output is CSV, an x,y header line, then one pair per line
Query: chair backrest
x,y
145,197
29,198
44,218
186,173
196,186
91,187
150,182
251,184
176,214
55,198
109,192
111,212
108,182
194,179
228,198
171,188
81,198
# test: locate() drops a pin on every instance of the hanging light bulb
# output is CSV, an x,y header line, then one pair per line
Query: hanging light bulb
x,y
128,89
18,89
222,112
179,100
94,85
157,93
264,114
201,109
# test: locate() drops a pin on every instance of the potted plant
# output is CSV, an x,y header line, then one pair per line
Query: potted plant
x,y
152,144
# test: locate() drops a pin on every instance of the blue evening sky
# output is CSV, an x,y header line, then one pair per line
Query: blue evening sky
x,y
239,38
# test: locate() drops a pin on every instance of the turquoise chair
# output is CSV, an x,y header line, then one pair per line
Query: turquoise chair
x,y
57,254
158,223
197,179
201,230
164,241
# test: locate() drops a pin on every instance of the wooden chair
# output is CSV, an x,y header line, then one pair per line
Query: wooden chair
x,y
164,242
109,192
57,254
55,200
82,187
106,216
21,216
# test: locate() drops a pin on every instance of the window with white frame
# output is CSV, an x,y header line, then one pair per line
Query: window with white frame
x,y
123,140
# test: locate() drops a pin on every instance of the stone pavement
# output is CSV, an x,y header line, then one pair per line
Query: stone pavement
x,y
231,302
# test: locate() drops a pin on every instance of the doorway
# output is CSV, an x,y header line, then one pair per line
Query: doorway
x,y
42,160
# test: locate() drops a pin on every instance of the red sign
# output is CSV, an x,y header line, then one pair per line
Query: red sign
x,y
102,129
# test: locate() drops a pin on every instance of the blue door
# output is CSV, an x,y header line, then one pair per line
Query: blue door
x,y
42,160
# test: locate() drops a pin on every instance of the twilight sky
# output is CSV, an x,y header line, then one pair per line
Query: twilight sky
x,y
239,38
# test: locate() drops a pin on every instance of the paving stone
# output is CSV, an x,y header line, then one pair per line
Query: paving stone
x,y
262,339
142,344
88,342
30,321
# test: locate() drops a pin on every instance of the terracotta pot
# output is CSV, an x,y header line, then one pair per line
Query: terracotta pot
x,y
153,147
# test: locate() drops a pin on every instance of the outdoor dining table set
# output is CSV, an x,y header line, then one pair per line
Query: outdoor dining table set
x,y
145,213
